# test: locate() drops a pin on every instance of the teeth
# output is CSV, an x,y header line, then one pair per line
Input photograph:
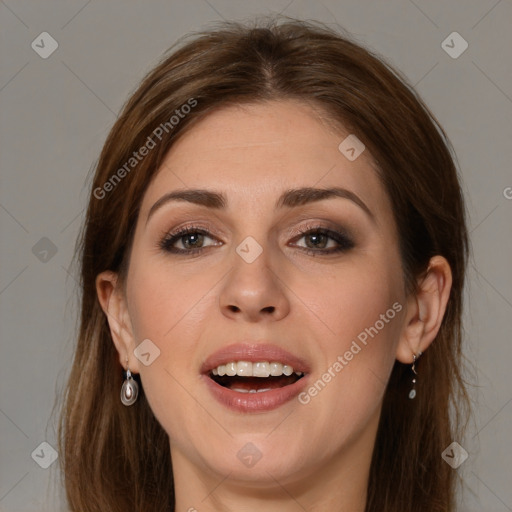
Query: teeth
x,y
231,369
239,390
260,369
257,369
276,369
243,368
287,370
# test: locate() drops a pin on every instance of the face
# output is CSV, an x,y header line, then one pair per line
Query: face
x,y
251,276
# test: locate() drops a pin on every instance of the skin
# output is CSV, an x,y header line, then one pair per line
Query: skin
x,y
315,455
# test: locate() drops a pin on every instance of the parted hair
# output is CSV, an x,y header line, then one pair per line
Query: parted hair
x,y
115,458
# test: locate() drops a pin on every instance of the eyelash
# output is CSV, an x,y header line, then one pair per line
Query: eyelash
x,y
344,241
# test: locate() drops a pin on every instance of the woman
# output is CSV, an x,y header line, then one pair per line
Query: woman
x,y
273,262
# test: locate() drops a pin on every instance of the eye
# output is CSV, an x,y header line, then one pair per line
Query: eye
x,y
188,240
319,240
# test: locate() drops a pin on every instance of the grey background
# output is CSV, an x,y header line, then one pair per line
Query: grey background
x,y
56,113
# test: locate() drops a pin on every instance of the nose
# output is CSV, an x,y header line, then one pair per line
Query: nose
x,y
253,292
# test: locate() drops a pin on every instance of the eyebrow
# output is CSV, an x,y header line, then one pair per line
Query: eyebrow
x,y
290,198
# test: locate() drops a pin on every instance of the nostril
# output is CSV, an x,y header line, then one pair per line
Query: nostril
x,y
235,309
269,309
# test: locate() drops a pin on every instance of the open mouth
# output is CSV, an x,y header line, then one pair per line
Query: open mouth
x,y
254,377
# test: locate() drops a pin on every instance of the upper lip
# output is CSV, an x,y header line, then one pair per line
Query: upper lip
x,y
254,352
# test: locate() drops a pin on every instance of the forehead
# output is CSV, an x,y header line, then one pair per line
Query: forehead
x,y
254,152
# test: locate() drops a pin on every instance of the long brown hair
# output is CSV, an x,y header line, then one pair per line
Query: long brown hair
x,y
115,458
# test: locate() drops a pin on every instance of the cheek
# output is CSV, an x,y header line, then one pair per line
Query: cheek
x,y
164,301
355,318
169,310
347,301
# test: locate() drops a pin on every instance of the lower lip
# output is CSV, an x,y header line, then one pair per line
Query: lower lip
x,y
254,402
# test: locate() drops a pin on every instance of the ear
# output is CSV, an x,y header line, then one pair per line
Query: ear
x,y
425,310
113,304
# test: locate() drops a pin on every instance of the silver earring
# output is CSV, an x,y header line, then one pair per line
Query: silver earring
x,y
412,393
129,389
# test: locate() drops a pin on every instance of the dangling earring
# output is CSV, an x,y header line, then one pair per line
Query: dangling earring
x,y
412,393
129,389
